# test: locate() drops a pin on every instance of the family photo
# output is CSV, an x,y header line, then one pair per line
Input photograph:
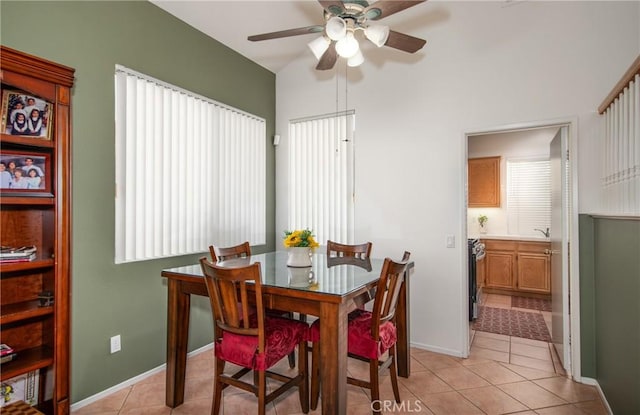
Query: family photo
x,y
22,171
25,115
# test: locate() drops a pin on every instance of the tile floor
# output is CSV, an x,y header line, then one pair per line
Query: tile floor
x,y
503,375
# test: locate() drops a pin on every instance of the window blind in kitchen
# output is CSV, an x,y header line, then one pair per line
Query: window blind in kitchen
x,y
190,171
321,176
528,196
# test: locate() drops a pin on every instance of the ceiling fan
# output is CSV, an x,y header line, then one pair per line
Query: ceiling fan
x,y
342,20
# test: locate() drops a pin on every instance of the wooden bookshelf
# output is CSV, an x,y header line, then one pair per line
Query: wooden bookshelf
x,y
38,216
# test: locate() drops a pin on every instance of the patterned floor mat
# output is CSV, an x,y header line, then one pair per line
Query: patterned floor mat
x,y
531,303
512,323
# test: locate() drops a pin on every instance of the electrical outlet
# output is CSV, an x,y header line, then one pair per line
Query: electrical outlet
x,y
115,344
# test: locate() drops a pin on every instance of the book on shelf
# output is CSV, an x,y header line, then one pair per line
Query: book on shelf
x,y
5,349
7,252
8,357
13,260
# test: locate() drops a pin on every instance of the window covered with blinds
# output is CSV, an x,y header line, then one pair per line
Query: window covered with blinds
x,y
321,176
190,171
528,196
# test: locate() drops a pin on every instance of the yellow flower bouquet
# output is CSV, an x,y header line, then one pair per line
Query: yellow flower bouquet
x,y
299,238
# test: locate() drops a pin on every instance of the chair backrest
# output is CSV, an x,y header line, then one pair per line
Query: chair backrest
x,y
388,292
364,263
237,251
232,302
361,251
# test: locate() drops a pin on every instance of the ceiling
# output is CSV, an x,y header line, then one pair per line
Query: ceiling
x,y
231,22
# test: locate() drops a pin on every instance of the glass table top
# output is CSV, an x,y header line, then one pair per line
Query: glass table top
x,y
326,275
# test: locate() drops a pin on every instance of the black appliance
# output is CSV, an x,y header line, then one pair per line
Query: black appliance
x,y
475,250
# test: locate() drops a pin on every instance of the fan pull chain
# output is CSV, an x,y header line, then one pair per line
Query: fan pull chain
x,y
346,103
337,119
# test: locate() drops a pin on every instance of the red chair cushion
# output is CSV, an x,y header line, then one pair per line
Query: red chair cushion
x,y
282,335
360,341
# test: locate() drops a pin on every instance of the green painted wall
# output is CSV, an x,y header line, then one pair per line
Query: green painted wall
x,y
587,299
93,37
614,298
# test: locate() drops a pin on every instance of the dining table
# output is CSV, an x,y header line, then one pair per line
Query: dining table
x,y
329,290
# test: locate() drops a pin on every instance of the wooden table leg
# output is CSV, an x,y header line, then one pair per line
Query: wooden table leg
x,y
403,347
177,336
333,358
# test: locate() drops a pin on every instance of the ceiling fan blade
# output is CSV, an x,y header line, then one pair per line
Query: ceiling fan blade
x,y
328,59
286,33
335,7
384,8
404,42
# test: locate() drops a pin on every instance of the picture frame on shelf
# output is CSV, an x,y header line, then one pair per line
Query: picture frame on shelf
x,y
25,173
26,115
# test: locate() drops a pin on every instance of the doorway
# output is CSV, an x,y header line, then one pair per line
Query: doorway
x,y
569,318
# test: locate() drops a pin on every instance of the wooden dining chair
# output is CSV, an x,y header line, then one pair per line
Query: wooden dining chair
x,y
361,251
349,260
245,336
237,251
338,250
242,251
370,335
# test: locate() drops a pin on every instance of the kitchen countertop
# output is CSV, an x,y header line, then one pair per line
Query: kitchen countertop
x,y
510,237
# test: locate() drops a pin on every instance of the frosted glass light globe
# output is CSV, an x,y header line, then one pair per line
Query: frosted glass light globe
x,y
377,34
347,46
356,60
319,46
336,28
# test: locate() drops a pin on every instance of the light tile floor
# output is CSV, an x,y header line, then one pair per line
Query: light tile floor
x,y
503,375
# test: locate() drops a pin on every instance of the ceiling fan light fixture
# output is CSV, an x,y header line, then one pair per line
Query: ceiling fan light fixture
x,y
377,34
347,46
319,46
336,28
356,60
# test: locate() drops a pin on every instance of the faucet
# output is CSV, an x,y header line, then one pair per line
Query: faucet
x,y
545,233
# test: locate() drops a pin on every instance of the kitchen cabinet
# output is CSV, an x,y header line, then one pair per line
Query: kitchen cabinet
x,y
35,327
500,261
517,266
484,182
534,267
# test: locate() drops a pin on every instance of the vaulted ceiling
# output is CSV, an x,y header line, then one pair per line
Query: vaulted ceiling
x,y
231,22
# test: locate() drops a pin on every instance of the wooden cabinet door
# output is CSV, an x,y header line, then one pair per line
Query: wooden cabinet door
x,y
484,182
533,273
499,270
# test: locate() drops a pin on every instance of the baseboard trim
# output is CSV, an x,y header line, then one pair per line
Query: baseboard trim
x,y
435,349
132,381
594,382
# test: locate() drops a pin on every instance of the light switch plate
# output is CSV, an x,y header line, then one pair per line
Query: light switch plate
x,y
115,344
451,241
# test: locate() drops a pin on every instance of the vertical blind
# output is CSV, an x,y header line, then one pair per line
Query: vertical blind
x,y
621,152
528,196
190,172
321,176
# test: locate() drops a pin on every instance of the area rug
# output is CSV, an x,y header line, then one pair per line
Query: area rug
x,y
512,323
531,303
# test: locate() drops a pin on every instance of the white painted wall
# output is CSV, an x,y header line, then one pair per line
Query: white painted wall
x,y
484,65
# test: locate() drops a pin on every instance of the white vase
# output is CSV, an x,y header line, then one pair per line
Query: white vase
x,y
300,277
299,256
